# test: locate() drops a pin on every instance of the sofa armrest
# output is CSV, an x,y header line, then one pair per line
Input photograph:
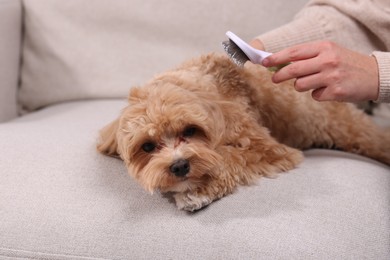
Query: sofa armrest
x,y
10,42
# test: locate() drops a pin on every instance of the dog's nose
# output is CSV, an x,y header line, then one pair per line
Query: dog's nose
x,y
180,167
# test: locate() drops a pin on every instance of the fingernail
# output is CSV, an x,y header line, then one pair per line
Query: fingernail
x,y
265,62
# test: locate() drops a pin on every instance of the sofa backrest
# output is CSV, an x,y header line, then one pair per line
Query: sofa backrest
x,y
10,36
82,49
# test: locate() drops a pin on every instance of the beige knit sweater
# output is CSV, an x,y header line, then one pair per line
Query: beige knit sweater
x,y
360,25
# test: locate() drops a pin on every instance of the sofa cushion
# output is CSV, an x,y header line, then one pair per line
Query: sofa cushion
x,y
60,199
10,31
76,49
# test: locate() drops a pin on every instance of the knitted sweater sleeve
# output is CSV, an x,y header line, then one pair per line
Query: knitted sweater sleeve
x,y
326,22
383,60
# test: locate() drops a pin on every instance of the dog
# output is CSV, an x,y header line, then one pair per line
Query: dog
x,y
200,130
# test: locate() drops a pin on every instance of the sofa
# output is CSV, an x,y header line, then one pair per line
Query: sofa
x,y
65,70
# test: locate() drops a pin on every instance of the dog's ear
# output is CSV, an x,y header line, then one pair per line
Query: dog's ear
x,y
108,143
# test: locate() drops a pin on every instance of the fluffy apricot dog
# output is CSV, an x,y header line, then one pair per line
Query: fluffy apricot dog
x,y
207,126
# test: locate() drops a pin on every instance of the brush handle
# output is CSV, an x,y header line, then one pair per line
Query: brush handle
x,y
256,56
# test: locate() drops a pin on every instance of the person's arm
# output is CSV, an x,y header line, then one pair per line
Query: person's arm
x,y
358,25
339,22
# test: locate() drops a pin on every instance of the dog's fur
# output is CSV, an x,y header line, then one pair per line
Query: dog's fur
x,y
230,125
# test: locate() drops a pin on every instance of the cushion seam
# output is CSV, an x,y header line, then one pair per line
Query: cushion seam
x,y
27,254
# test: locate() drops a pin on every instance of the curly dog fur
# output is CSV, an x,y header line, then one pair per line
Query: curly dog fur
x,y
207,126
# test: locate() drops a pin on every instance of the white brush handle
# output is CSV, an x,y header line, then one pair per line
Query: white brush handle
x,y
256,56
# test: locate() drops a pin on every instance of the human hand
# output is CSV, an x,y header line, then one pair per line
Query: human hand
x,y
331,71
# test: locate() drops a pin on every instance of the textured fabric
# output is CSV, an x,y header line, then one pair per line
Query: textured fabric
x,y
383,60
76,49
10,36
60,199
361,25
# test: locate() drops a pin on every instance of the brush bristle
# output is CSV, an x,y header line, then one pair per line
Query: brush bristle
x,y
235,53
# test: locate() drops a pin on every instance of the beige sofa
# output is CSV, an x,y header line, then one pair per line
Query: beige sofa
x,y
67,66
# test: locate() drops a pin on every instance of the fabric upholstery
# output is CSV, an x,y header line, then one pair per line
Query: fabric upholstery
x,y
77,50
60,199
10,37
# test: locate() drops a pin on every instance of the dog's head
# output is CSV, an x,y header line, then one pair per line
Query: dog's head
x,y
167,135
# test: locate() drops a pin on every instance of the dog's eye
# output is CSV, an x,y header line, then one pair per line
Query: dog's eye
x,y
148,147
190,131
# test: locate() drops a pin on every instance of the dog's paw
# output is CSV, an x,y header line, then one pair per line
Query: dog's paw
x,y
191,202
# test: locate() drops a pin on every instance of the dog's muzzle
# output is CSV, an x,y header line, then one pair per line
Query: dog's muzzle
x,y
180,168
